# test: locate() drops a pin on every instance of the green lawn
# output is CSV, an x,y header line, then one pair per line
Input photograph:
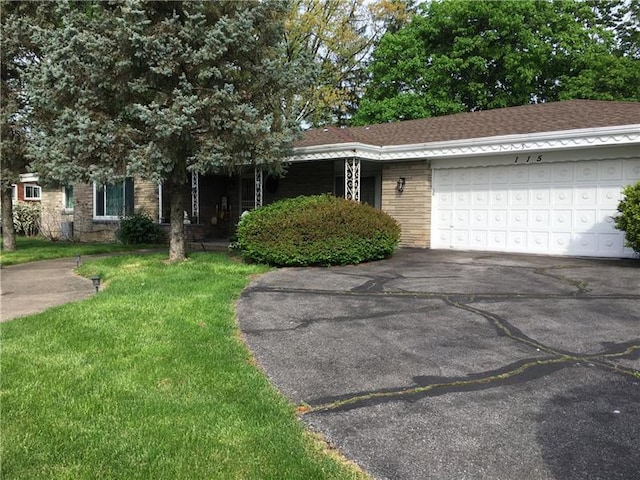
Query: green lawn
x,y
148,379
30,249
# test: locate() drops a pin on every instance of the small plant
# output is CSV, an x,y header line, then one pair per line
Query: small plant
x,y
139,228
316,230
26,218
629,218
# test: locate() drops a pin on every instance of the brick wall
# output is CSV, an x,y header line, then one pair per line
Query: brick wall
x,y
53,215
86,229
412,207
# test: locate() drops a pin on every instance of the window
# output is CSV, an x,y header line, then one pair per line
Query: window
x,y
110,202
67,193
14,192
32,192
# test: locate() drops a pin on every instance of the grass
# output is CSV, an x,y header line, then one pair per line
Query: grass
x,y
149,379
30,249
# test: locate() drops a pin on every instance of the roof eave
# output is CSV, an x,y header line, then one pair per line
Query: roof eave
x,y
543,141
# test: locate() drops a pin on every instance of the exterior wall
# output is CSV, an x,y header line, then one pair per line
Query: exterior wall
x,y
55,221
86,229
412,207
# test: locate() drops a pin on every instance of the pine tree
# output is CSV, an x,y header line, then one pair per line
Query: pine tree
x,y
160,89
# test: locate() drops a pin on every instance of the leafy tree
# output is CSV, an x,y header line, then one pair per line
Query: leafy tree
x,y
160,89
463,56
338,37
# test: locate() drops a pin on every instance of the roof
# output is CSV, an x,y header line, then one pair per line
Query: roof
x,y
523,120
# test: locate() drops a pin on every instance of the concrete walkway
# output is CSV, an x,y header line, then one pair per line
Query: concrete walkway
x,y
34,287
460,365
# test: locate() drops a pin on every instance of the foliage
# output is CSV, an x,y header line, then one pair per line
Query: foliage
x,y
159,89
338,37
139,229
459,56
16,52
147,379
32,249
628,219
26,218
317,230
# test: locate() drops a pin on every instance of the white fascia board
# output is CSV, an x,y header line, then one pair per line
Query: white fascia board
x,y
29,178
558,140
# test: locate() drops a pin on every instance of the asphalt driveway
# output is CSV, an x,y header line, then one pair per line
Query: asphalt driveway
x,y
457,365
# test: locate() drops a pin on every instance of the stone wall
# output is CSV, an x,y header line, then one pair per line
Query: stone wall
x,y
307,178
412,207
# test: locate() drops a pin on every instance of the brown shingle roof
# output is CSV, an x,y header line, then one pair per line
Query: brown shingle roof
x,y
544,117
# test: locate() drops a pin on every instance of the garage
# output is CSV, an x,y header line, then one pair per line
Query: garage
x,y
532,204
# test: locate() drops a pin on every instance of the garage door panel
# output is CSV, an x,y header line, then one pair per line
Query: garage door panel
x,y
518,219
609,196
517,241
563,172
540,196
610,170
584,220
499,175
519,174
480,219
497,239
585,195
539,220
559,242
499,198
478,239
586,172
561,220
562,196
631,171
563,208
519,197
540,173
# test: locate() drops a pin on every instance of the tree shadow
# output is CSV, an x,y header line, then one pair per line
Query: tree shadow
x,y
593,431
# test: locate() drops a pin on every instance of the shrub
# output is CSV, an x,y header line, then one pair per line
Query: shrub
x,y
629,218
139,228
316,230
26,218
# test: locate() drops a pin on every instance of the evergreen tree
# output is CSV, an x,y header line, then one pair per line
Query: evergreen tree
x,y
16,52
159,90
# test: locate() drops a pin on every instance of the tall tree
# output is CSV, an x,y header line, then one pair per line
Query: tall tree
x,y
338,37
16,52
462,56
160,89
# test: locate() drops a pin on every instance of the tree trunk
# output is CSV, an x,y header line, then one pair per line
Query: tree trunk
x,y
8,230
177,241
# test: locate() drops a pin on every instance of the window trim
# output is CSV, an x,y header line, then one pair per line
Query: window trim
x,y
127,209
31,198
65,199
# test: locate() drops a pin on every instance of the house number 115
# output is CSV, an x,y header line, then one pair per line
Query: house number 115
x,y
528,160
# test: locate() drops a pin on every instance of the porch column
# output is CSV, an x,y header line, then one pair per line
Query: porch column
x,y
195,197
352,179
258,195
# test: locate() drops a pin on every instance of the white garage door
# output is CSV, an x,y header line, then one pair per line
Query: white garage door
x,y
557,208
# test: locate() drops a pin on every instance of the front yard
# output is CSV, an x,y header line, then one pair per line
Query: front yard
x,y
149,379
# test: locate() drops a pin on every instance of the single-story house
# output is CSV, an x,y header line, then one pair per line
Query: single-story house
x,y
544,178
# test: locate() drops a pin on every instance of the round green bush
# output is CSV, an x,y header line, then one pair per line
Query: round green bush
x,y
139,229
629,218
316,230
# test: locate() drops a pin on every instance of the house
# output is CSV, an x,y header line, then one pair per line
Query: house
x,y
543,178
